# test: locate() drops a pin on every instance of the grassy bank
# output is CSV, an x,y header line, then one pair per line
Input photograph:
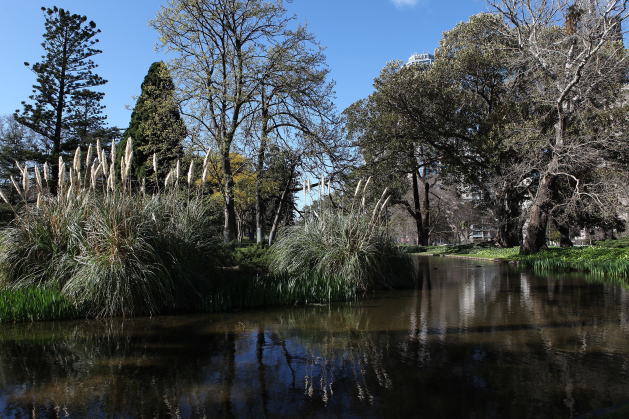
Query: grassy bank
x,y
605,258
471,250
604,261
115,252
34,304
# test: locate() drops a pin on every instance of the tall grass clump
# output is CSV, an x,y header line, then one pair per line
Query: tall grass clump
x,y
103,243
33,304
40,245
347,250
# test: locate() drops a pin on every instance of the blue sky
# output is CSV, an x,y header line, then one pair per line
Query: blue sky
x,y
360,36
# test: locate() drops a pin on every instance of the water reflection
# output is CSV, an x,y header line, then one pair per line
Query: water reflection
x,y
472,340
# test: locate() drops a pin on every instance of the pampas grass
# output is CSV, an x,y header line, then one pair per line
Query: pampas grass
x,y
113,254
110,251
345,249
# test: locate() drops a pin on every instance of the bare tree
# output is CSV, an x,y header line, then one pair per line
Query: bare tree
x,y
293,101
219,48
571,59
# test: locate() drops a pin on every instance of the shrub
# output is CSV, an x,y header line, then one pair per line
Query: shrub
x,y
413,248
41,243
252,259
618,243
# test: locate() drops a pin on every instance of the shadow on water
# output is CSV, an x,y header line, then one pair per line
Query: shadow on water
x,y
472,340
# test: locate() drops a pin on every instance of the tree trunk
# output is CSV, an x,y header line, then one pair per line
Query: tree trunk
x,y
564,234
425,236
280,207
260,171
508,234
56,140
417,215
229,228
508,215
534,229
609,234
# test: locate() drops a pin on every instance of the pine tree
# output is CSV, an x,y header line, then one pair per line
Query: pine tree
x,y
156,125
64,109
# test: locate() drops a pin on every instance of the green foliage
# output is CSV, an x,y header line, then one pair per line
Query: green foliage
x,y
156,125
413,248
33,304
235,290
611,262
252,258
618,243
475,250
114,254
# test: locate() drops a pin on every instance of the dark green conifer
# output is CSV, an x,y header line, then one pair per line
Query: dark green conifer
x,y
156,126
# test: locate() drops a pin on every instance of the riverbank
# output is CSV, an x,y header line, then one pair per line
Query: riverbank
x,y
245,282
608,258
248,284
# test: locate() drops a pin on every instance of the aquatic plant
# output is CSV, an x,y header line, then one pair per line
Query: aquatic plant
x,y
35,303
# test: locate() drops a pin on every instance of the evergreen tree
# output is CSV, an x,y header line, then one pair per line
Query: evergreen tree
x,y
64,109
156,125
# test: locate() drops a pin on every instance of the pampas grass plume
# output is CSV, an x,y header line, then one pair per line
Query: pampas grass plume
x,y
77,160
46,169
360,182
190,172
25,180
38,179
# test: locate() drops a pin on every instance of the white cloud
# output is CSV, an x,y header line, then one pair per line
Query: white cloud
x,y
405,3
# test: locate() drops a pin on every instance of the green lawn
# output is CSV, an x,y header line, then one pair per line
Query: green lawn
x,y
609,258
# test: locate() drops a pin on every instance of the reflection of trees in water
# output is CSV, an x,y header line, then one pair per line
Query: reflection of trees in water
x,y
498,342
92,369
555,338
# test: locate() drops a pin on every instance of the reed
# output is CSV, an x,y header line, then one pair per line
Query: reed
x,y
235,290
33,304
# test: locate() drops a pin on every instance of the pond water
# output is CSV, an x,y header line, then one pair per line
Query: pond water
x,y
474,340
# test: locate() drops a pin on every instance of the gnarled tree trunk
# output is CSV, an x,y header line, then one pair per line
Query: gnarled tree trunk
x,y
534,229
425,236
564,234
